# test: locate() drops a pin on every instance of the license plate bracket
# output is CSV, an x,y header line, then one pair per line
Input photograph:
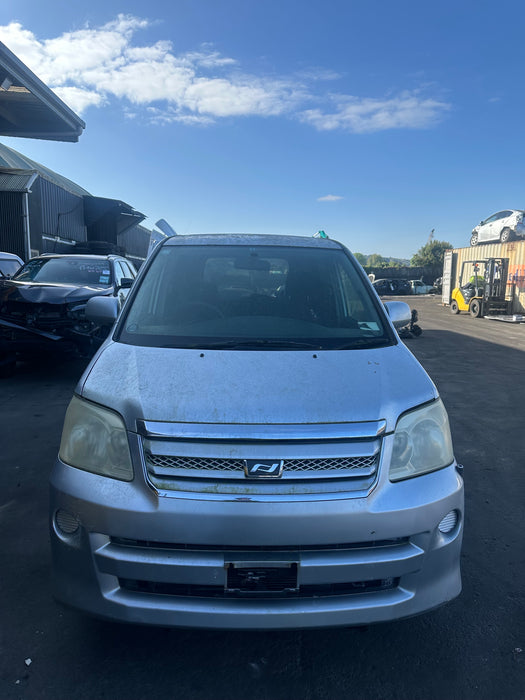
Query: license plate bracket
x,y
261,578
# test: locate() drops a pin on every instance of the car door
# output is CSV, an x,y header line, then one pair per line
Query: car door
x,y
486,230
504,221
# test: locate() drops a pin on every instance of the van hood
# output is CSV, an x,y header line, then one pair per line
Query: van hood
x,y
258,387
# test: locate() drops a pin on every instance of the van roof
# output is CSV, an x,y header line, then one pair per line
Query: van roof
x,y
252,239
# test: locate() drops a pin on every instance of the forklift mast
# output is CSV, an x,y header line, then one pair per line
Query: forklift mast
x,y
496,274
488,277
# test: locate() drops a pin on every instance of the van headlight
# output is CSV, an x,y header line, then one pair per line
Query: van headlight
x,y
422,442
95,439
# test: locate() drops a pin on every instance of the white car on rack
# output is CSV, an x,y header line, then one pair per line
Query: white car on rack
x,y
502,226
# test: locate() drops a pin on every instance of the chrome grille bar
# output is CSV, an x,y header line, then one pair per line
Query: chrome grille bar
x,y
265,432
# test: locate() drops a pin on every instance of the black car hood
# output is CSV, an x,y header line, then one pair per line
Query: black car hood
x,y
40,293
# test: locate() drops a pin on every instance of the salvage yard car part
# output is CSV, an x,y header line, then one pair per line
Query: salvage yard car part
x,y
412,330
502,226
419,287
392,287
42,307
254,447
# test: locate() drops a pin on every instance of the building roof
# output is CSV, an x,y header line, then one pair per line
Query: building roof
x,y
28,108
14,163
16,180
17,174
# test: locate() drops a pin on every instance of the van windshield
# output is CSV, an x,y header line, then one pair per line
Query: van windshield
x,y
253,297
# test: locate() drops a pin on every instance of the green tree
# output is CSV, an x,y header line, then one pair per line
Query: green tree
x,y
432,253
376,260
361,259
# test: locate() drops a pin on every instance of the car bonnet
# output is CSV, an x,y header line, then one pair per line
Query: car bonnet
x,y
257,387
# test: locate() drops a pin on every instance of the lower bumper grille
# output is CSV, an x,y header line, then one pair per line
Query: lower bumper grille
x,y
307,591
146,544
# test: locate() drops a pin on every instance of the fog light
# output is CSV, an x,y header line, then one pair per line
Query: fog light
x,y
449,522
66,522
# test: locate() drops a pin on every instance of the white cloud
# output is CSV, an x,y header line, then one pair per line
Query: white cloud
x,y
92,66
365,115
330,198
81,98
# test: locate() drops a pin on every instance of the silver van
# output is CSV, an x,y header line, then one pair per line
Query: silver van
x,y
254,447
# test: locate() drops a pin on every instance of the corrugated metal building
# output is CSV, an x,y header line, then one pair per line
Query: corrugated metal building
x,y
43,212
514,251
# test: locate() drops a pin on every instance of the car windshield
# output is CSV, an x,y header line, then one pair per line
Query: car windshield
x,y
70,270
229,296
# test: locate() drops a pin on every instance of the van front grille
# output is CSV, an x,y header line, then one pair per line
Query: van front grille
x,y
339,467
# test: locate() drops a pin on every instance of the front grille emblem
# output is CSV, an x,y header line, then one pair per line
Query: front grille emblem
x,y
271,469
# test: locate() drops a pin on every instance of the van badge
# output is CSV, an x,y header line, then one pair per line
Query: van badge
x,y
271,468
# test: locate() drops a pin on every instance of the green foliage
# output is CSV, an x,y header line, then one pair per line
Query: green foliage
x,y
361,259
432,253
376,260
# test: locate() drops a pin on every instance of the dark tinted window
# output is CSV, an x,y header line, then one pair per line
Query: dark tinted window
x,y
72,270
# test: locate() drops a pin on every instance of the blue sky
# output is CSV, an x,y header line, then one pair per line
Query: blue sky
x,y
376,121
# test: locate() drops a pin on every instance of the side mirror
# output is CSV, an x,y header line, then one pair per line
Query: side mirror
x,y
102,310
126,282
399,313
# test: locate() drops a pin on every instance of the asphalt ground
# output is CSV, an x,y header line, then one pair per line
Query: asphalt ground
x,y
474,647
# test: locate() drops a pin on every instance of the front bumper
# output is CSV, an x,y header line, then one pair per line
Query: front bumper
x,y
143,558
27,340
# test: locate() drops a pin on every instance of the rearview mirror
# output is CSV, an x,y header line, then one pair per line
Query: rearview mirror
x,y
251,263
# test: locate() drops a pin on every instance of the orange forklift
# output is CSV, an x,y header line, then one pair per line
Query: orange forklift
x,y
482,288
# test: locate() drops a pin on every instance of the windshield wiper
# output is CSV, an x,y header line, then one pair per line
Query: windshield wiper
x,y
365,343
263,343
253,343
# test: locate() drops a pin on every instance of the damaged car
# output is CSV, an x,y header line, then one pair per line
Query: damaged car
x,y
42,306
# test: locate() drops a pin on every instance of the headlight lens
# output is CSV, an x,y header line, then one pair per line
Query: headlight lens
x,y
95,439
422,442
